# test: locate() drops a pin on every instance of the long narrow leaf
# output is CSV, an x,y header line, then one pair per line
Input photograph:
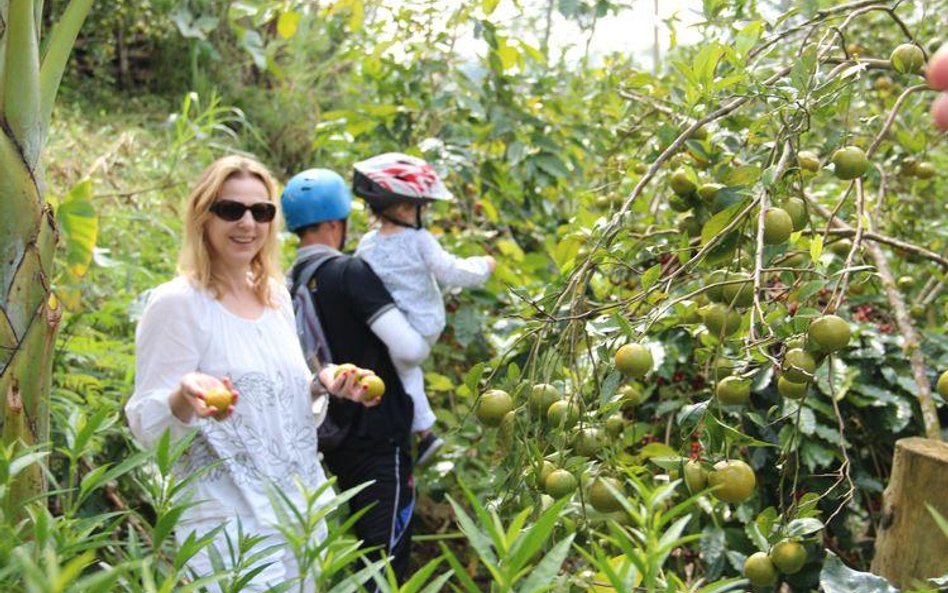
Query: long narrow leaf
x,y
21,80
58,47
541,578
530,543
479,541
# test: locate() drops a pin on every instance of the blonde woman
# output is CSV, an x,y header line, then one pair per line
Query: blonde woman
x,y
227,322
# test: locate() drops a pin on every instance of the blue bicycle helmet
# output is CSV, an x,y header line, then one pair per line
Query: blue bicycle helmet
x,y
313,196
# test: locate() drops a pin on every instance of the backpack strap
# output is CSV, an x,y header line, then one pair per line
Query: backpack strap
x,y
308,328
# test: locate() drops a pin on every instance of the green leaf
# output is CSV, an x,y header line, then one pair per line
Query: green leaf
x,y
745,175
836,577
816,248
59,45
543,575
803,527
80,225
488,6
719,222
651,276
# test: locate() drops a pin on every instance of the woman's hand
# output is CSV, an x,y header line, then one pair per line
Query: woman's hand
x,y
347,385
189,399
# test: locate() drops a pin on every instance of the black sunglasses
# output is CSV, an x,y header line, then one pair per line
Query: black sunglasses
x,y
232,211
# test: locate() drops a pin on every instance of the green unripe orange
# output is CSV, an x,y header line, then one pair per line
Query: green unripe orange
x,y
777,226
560,483
615,425
493,406
798,365
682,183
791,390
707,191
924,170
943,384
738,294
830,333
720,320
789,557
808,161
601,498
907,58
797,210
542,396
760,570
374,387
850,162
732,391
732,481
588,442
634,360
696,478
562,413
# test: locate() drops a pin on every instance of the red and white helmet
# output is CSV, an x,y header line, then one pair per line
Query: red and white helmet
x,y
394,177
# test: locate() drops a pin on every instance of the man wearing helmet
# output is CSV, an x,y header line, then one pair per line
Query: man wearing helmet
x,y
361,325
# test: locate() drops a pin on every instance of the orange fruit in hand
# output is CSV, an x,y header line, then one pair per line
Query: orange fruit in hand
x,y
374,387
219,398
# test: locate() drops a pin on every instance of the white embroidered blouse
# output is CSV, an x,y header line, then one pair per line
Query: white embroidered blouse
x,y
271,436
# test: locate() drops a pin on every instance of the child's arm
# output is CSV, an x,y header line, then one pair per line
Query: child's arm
x,y
451,270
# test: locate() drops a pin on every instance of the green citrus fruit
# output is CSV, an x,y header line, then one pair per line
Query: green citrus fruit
x,y
560,483
588,442
732,391
601,498
850,162
760,570
789,557
732,480
219,398
493,406
883,83
715,293
830,333
680,203
943,384
777,226
562,413
696,478
691,226
546,468
542,397
907,58
507,426
630,395
808,161
797,210
905,282
924,170
634,360
798,365
682,183
707,191
739,294
791,390
841,248
615,425
720,320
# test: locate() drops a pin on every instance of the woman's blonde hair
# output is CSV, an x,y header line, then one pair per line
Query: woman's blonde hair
x,y
195,258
